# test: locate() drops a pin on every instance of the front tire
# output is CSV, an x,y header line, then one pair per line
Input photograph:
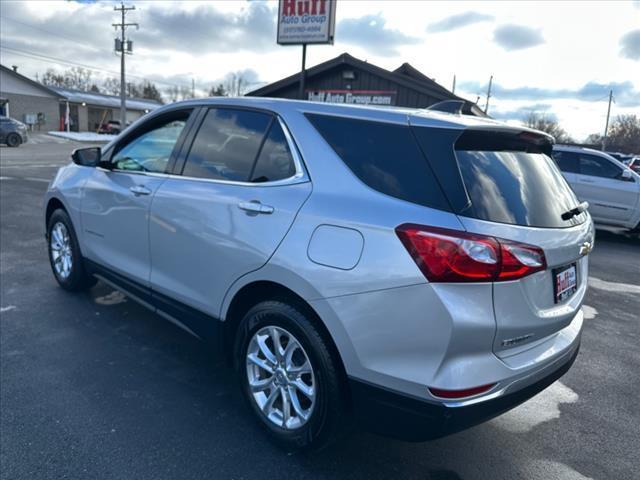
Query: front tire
x,y
13,140
65,257
289,377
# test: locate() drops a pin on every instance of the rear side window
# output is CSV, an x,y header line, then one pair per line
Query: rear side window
x,y
275,161
384,156
566,161
227,144
598,167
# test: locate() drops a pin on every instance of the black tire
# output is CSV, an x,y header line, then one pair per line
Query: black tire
x,y
13,140
77,278
328,419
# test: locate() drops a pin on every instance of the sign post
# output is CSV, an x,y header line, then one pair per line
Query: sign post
x,y
303,71
306,22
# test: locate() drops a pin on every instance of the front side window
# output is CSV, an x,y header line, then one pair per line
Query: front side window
x,y
598,167
227,144
150,151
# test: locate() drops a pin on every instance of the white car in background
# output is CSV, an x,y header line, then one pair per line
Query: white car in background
x,y
611,188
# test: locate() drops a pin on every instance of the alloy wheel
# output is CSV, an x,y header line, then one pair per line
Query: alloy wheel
x,y
281,378
60,250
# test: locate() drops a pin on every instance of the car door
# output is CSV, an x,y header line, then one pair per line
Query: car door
x,y
238,191
117,196
612,198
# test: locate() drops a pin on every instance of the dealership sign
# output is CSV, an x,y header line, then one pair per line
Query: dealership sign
x,y
306,21
359,97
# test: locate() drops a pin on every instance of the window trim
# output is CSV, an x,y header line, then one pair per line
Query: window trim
x,y
300,176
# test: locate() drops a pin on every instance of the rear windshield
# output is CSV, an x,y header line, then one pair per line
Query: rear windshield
x,y
516,187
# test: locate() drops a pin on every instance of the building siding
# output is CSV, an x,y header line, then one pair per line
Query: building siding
x,y
334,80
21,105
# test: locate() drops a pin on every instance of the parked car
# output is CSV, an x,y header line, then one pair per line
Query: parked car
x,y
634,164
611,188
112,127
422,272
621,157
12,132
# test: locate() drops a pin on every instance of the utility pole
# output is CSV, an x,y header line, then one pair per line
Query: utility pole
x,y
123,47
193,88
486,106
606,125
453,88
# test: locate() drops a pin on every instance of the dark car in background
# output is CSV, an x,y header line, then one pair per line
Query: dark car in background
x,y
12,132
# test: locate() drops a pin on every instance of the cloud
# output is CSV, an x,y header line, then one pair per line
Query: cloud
x,y
204,29
371,32
517,37
458,21
625,93
521,113
630,45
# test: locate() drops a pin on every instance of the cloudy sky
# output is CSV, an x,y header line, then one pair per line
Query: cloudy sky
x,y
557,58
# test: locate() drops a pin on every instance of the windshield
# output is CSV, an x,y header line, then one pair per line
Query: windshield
x,y
516,187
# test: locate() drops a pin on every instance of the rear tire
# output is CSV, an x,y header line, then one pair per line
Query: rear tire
x,y
65,257
272,383
13,140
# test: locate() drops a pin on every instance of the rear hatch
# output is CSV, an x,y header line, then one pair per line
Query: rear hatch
x,y
502,183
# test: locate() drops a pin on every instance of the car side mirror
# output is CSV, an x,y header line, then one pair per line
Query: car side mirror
x,y
87,157
626,176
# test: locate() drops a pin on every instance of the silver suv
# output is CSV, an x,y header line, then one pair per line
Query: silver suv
x,y
419,272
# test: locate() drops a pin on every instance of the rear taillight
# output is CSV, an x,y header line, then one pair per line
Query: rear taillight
x,y
445,255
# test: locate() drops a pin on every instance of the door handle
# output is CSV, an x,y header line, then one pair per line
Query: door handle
x,y
255,207
139,190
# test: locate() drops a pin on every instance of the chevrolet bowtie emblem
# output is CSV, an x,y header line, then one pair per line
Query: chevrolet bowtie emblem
x,y
585,248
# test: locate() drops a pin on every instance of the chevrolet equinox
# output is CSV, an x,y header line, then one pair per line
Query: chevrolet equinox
x,y
418,271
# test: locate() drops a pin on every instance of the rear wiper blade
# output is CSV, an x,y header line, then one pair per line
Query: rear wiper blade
x,y
568,215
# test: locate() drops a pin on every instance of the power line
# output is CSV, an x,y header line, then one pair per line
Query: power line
x,y
54,60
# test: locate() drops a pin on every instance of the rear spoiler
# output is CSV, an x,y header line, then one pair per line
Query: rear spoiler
x,y
458,107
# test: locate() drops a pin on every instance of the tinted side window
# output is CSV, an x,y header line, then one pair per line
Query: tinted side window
x,y
227,144
275,161
566,161
151,151
598,167
384,156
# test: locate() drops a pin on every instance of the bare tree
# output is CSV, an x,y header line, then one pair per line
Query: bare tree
x,y
218,91
236,83
111,86
548,125
624,134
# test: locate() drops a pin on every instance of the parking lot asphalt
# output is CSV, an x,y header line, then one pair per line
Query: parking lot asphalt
x,y
93,386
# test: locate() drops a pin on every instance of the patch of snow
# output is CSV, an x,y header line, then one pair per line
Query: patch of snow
x,y
589,312
551,469
613,286
113,298
543,407
84,136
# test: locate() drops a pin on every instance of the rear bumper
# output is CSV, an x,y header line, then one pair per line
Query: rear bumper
x,y
407,418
